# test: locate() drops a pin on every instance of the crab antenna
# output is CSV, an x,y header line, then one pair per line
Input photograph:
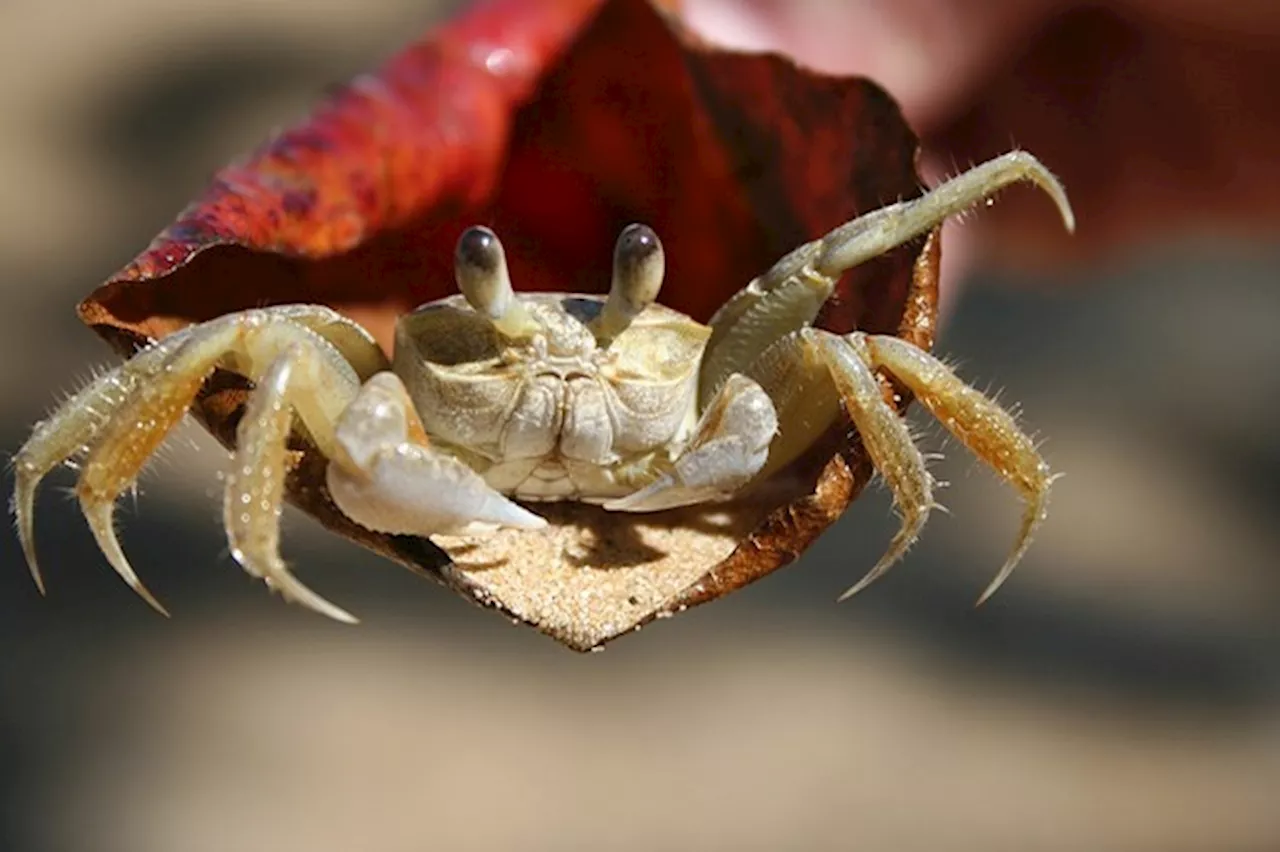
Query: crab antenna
x,y
480,267
638,266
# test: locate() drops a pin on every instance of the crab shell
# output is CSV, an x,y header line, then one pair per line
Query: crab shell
x,y
589,578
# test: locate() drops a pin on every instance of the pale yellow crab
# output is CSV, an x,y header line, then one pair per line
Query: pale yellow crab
x,y
495,399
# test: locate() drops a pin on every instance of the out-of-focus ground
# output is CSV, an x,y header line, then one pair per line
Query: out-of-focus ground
x,y
1121,693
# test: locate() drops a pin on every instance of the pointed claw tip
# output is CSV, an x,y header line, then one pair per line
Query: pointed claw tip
x,y
99,515
851,591
902,542
23,508
340,615
1034,514
515,516
1059,196
871,576
990,591
29,553
1048,181
294,590
861,586
151,600
1006,571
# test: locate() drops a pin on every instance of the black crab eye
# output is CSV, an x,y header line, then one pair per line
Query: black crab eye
x,y
480,250
637,252
638,266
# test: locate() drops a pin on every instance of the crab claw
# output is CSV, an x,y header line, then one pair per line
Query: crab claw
x,y
409,489
729,446
391,481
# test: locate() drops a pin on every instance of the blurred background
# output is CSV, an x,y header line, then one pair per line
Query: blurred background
x,y
1121,693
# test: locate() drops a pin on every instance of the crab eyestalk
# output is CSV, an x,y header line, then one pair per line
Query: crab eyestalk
x,y
638,267
480,268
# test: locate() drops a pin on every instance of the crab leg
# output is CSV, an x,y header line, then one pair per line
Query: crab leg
x,y
978,422
125,442
884,435
990,432
69,431
254,494
729,447
119,419
881,230
155,391
789,295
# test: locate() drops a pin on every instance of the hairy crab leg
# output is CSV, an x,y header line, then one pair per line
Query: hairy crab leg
x,y
127,440
391,480
885,436
70,431
254,495
137,428
881,230
789,295
990,432
120,418
985,428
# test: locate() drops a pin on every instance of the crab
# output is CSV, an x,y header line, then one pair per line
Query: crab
x,y
496,402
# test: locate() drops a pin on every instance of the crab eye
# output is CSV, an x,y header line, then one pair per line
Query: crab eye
x,y
480,267
638,266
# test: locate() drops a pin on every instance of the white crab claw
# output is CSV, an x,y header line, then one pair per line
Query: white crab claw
x,y
729,447
417,491
389,482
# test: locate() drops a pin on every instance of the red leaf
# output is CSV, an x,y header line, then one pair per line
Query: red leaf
x,y
556,123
